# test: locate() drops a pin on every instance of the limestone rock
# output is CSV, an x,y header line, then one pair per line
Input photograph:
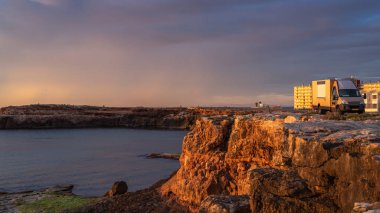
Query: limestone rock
x,y
316,165
291,119
367,207
274,190
225,204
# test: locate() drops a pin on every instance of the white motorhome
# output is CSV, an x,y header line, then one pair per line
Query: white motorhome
x,y
337,95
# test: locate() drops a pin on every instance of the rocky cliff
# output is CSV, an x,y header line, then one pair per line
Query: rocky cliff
x,y
277,165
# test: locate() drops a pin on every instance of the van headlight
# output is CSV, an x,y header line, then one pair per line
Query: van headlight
x,y
344,101
362,103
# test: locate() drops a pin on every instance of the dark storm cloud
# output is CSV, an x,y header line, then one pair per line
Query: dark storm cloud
x,y
170,52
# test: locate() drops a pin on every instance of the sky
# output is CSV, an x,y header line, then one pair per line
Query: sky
x,y
180,53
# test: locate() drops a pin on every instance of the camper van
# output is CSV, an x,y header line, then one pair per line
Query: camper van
x,y
337,95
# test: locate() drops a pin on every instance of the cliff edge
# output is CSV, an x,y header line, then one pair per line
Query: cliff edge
x,y
277,165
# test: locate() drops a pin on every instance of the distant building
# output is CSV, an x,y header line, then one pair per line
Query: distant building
x,y
259,104
303,97
372,92
368,87
372,101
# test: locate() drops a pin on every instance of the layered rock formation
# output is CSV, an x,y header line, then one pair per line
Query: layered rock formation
x,y
309,166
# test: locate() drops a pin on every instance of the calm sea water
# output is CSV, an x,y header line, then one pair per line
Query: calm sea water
x,y
91,159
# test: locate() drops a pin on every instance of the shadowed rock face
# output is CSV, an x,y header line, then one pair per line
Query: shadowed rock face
x,y
309,166
276,190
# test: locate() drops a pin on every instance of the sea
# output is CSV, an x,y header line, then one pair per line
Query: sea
x,y
90,159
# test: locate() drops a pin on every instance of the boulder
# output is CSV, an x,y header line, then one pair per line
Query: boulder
x,y
118,188
291,119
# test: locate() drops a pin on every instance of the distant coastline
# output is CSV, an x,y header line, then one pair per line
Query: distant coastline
x,y
54,116
69,116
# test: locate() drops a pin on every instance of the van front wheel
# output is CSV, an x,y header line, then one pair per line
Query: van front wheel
x,y
339,111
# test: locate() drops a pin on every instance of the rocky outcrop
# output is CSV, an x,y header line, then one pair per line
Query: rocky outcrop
x,y
172,156
292,166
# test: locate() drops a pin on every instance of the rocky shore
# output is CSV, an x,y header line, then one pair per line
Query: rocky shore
x,y
11,202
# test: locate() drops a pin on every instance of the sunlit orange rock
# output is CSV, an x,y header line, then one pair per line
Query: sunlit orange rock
x,y
311,165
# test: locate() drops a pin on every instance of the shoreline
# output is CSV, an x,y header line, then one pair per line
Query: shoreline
x,y
13,201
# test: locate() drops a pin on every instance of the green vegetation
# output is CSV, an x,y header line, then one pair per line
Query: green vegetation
x,y
56,204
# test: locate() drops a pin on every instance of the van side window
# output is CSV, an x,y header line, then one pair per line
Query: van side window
x,y
321,89
334,93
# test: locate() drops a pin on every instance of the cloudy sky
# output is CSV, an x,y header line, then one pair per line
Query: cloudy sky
x,y
172,52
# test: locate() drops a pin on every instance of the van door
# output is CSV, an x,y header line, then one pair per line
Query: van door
x,y
334,98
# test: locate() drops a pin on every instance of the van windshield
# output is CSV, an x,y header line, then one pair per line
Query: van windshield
x,y
349,93
347,88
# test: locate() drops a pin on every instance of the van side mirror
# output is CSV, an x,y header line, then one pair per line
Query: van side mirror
x,y
335,97
365,96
